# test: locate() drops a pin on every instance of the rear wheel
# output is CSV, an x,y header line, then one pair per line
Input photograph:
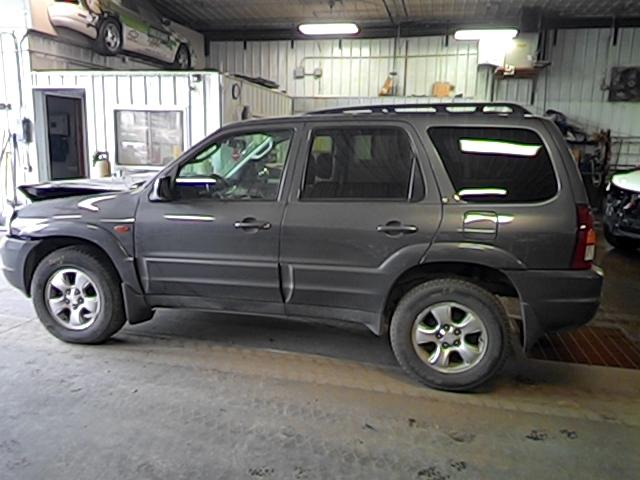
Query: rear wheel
x,y
183,58
621,243
450,334
77,295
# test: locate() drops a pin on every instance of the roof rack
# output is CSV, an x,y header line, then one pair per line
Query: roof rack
x,y
503,108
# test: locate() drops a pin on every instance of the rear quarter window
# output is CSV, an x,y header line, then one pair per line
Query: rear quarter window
x,y
496,165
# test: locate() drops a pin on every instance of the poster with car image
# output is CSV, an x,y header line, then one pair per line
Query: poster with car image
x,y
120,27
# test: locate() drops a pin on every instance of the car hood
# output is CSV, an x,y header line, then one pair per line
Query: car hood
x,y
627,181
82,186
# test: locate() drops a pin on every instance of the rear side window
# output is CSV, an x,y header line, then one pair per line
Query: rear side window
x,y
362,163
496,165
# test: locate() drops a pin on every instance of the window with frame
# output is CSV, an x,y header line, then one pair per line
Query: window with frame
x,y
244,166
496,165
148,137
368,163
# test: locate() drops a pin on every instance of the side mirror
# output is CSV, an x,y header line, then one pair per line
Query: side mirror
x,y
162,191
165,21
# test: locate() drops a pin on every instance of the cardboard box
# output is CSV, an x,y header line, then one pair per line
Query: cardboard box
x,y
442,89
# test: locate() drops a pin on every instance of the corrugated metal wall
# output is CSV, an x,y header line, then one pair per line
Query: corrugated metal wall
x,y
199,96
262,101
105,92
575,82
353,67
12,91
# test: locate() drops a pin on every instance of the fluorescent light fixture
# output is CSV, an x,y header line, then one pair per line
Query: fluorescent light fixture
x,y
469,145
328,28
481,34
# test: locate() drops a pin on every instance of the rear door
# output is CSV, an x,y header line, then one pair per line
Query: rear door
x,y
505,190
363,208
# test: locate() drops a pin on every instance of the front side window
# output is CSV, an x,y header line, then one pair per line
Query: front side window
x,y
247,166
147,137
362,163
496,165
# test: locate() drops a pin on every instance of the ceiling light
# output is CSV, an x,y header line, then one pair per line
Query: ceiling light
x,y
481,34
328,28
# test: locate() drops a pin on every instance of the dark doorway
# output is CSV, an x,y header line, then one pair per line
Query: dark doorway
x,y
65,136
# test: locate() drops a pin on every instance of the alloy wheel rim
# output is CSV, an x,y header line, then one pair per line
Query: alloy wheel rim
x,y
112,37
72,298
449,337
183,59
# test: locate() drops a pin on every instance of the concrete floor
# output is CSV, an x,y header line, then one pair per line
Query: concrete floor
x,y
195,395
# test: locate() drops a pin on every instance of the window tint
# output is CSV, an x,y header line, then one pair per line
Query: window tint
x,y
362,163
246,166
502,165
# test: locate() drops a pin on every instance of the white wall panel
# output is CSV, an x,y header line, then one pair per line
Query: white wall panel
x,y
105,92
353,67
576,81
354,71
262,102
199,96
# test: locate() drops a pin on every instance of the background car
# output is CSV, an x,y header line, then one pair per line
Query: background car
x,y
123,25
622,211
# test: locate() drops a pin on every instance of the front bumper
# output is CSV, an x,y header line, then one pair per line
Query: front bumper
x,y
14,253
554,300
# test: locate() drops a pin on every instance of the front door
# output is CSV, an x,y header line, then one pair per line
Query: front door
x,y
216,244
65,137
367,211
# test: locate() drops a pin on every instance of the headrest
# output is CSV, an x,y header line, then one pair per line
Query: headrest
x,y
324,166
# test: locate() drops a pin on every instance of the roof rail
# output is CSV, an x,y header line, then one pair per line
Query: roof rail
x,y
447,108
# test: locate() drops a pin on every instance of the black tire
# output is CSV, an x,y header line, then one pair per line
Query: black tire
x,y
182,53
110,316
621,243
482,303
109,39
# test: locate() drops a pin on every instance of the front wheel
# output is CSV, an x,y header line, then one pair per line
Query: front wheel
x,y
183,58
450,334
77,296
109,37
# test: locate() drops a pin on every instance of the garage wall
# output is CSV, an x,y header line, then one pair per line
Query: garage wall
x,y
106,92
575,82
13,26
237,93
353,67
354,71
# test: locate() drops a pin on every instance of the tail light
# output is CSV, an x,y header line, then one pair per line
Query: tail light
x,y
585,250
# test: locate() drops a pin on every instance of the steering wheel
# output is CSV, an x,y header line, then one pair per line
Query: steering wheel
x,y
220,181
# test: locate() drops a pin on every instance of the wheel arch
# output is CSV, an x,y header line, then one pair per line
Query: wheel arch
x,y
122,264
491,279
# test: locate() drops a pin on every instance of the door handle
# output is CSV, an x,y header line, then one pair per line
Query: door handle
x,y
480,223
396,228
248,224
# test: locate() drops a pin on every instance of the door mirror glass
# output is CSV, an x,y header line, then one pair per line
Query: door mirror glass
x,y
162,191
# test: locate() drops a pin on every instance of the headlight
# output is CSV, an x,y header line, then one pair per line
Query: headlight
x,y
21,226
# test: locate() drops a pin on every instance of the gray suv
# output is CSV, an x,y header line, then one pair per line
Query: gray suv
x,y
409,219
